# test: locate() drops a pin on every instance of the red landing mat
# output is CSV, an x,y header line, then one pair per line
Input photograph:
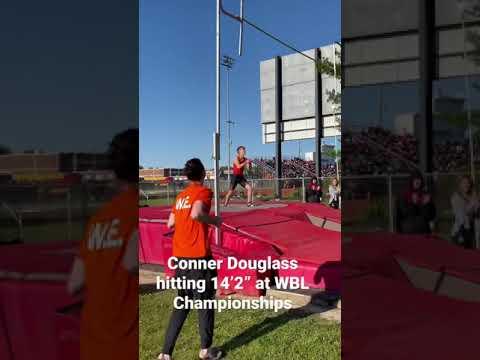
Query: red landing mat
x,y
388,319
254,218
154,212
29,300
319,210
419,250
261,233
54,258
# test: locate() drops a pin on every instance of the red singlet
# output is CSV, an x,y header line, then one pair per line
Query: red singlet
x,y
238,170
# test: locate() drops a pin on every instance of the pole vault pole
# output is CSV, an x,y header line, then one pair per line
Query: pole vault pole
x,y
216,145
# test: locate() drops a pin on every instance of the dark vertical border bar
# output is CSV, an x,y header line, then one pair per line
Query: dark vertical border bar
x,y
318,116
278,125
426,31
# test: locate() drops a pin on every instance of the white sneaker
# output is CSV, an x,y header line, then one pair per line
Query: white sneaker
x,y
211,354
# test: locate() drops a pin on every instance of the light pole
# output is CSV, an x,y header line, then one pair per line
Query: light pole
x,y
228,62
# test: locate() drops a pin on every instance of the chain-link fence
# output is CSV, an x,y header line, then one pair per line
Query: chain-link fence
x,y
370,203
48,212
294,189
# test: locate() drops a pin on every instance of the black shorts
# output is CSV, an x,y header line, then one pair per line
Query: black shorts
x,y
238,179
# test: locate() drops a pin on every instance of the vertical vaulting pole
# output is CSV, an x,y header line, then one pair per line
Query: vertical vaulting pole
x,y
278,127
216,149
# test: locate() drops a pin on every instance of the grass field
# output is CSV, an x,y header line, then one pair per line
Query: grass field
x,y
242,334
156,202
44,232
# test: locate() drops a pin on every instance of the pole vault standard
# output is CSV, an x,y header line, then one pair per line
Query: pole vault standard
x,y
216,136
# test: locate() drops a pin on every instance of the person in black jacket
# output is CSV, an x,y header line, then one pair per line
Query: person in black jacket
x,y
314,191
416,209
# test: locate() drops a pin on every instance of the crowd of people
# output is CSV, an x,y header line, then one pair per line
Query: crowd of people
x,y
314,192
450,156
417,213
295,168
377,151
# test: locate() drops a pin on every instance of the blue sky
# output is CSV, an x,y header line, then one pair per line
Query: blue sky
x,y
68,74
177,72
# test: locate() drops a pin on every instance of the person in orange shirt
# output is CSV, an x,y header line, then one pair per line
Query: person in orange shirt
x,y
107,264
190,218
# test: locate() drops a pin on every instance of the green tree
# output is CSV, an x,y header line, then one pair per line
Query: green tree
x,y
333,154
326,66
334,97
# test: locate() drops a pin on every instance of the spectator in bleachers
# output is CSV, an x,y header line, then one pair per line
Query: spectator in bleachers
x,y
295,168
465,207
314,191
416,211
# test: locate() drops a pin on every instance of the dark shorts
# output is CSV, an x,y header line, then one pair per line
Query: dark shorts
x,y
237,179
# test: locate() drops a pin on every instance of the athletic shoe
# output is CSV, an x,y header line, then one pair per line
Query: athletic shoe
x,y
250,205
164,357
212,354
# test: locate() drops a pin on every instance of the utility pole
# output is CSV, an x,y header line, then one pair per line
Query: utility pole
x,y
228,62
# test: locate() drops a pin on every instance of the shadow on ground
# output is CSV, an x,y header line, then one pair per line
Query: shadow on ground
x,y
266,326
147,289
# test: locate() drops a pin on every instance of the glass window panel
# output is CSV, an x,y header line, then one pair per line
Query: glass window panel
x,y
378,128
450,136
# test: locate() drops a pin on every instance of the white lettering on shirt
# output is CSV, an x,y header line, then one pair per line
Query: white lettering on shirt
x,y
104,236
183,203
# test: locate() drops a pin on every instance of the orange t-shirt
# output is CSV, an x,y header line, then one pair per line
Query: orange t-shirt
x,y
109,325
190,239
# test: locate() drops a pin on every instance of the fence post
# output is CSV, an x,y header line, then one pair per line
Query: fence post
x,y
304,199
84,202
168,193
69,215
278,189
21,234
390,204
